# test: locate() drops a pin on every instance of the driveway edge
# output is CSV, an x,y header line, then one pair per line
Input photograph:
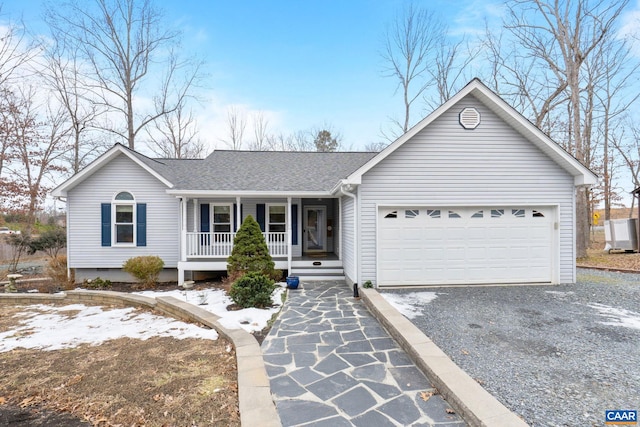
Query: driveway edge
x,y
472,402
255,403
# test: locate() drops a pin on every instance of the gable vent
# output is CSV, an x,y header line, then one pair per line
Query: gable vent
x,y
469,118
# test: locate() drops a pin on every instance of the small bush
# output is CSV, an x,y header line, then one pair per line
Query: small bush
x,y
56,268
250,252
252,290
97,283
368,284
144,268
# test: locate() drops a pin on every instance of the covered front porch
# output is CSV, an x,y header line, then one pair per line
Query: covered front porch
x,y
300,232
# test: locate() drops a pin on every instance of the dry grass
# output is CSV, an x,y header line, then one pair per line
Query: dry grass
x,y
128,382
597,257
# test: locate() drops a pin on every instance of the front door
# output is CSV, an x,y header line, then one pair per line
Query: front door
x,y
315,229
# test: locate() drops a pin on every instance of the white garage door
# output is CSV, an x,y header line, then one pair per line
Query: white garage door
x,y
440,245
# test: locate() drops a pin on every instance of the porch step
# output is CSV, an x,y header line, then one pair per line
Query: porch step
x,y
318,273
319,263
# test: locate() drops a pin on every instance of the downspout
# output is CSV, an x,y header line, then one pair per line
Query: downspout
x,y
66,220
347,191
289,236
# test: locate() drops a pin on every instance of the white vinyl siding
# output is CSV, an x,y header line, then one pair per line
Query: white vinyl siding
x,y
84,219
347,249
447,165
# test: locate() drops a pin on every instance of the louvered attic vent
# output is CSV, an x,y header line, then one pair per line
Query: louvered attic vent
x,y
469,118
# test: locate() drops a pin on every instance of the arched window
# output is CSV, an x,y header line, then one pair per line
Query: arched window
x,y
124,216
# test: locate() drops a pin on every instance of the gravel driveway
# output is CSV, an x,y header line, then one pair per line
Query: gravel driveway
x,y
556,355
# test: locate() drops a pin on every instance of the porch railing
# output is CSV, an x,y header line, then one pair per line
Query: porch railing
x,y
219,245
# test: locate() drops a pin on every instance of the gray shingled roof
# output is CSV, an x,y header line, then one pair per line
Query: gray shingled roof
x,y
260,170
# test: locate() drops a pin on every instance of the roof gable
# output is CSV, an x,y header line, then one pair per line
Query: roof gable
x,y
115,151
581,174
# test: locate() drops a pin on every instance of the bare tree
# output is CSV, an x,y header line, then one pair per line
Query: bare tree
x,y
411,43
175,135
16,50
38,141
612,70
452,61
560,36
63,73
122,41
237,123
375,147
260,132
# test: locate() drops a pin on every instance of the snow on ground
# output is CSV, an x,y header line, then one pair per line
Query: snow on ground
x,y
217,300
409,304
617,316
49,327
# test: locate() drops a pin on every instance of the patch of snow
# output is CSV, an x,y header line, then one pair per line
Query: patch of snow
x,y
409,304
618,316
249,319
50,327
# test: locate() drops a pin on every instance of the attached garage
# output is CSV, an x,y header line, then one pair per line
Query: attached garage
x,y
440,245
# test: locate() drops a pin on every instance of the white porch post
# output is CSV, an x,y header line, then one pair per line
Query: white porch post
x,y
238,213
183,229
195,215
340,228
183,239
289,237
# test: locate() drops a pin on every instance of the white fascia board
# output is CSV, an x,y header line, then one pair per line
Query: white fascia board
x,y
113,152
231,193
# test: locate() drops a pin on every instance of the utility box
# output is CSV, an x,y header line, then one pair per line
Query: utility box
x,y
621,235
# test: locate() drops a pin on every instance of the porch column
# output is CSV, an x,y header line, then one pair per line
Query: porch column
x,y
183,229
289,237
238,213
339,228
195,214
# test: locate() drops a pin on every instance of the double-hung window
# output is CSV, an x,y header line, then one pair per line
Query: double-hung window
x,y
277,219
124,214
221,218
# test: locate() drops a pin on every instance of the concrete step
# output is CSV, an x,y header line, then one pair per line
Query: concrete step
x,y
314,263
326,270
320,278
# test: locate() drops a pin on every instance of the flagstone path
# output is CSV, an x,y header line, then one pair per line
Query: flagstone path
x,y
330,363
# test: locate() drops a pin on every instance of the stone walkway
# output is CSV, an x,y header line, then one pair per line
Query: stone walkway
x,y
330,363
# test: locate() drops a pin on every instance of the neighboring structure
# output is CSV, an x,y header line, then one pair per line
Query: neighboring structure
x,y
474,193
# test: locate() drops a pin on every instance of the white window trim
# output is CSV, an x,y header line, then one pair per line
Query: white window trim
x,y
267,222
212,216
114,232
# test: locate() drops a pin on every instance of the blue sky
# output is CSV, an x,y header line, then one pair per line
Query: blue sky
x,y
303,63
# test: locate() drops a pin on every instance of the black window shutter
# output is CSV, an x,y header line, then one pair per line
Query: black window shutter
x,y
105,210
294,224
260,216
235,217
204,218
141,224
